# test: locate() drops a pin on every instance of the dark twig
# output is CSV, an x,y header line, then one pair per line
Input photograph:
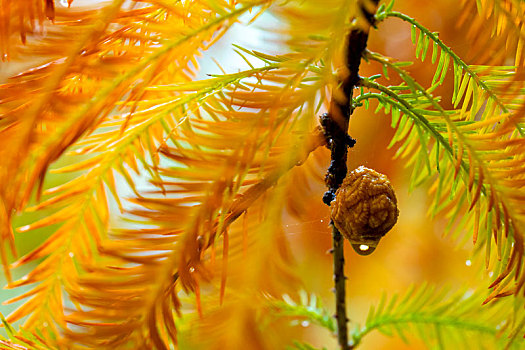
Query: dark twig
x,y
335,126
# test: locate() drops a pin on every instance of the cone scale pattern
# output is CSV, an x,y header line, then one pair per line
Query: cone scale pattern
x,y
364,209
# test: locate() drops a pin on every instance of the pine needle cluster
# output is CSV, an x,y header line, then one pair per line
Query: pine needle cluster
x,y
161,195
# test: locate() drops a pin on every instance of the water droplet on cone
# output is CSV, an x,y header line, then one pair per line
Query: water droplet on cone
x,y
363,249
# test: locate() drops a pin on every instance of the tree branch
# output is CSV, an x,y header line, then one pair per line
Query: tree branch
x,y
244,200
335,125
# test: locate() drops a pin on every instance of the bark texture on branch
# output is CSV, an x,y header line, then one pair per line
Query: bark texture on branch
x,y
335,125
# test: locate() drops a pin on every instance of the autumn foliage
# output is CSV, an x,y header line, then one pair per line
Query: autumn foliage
x,y
162,173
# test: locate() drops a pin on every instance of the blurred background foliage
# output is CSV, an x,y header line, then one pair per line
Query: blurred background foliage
x,y
414,252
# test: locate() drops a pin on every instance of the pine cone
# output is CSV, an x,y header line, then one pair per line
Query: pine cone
x,y
364,209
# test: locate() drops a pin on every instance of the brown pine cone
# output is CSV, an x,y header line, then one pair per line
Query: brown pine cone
x,y
364,209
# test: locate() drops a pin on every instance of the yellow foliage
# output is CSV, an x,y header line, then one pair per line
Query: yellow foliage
x,y
165,200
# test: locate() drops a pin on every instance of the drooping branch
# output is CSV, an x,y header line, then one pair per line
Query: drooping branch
x,y
335,125
244,201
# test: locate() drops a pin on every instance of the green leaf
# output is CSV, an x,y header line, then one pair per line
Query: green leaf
x,y
308,308
413,34
443,319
